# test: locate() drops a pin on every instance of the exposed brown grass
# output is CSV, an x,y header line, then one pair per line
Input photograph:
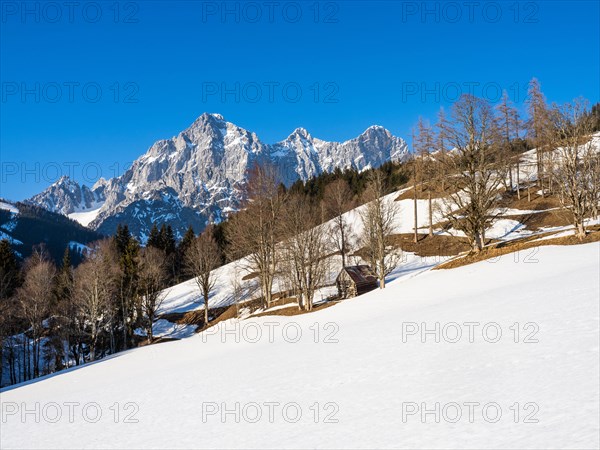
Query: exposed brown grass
x,y
196,317
294,310
536,221
537,203
504,248
436,245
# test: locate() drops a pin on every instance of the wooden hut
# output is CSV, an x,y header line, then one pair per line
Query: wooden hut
x,y
356,280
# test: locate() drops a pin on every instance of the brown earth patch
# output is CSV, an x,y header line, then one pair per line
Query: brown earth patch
x,y
436,245
294,310
537,203
504,248
536,221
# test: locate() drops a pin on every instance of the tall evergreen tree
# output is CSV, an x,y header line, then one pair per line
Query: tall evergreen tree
x,y
128,249
62,323
9,269
154,238
168,241
9,280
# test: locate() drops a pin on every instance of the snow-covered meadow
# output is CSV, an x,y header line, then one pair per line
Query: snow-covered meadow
x,y
499,354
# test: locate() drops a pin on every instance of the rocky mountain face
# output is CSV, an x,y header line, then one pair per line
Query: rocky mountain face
x,y
198,176
66,196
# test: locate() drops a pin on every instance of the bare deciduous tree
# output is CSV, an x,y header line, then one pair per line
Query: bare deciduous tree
x,y
95,291
152,277
379,217
441,144
424,146
201,259
473,174
34,298
507,115
304,250
254,232
539,129
338,199
575,168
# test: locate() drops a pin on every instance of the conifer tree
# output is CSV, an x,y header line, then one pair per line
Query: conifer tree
x,y
154,238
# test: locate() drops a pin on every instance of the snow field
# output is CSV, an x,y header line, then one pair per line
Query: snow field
x,y
365,373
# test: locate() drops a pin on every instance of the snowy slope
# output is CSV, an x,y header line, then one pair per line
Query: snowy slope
x,y
186,296
359,371
85,217
9,207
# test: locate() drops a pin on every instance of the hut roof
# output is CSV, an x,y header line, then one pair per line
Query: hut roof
x,y
361,274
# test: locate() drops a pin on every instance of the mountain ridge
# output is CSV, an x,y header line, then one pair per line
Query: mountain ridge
x,y
197,176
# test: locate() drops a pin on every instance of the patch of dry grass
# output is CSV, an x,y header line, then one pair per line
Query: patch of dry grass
x,y
504,248
436,245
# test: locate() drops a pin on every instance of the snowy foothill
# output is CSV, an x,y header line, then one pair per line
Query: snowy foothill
x,y
497,354
86,217
9,207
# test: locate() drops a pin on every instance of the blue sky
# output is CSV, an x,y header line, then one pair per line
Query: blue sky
x,y
87,89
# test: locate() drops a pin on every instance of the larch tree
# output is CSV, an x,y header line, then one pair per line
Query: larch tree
x,y
506,116
517,125
441,146
424,146
538,127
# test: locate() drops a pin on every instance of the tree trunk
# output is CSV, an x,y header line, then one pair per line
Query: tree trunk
x,y
430,214
518,181
579,230
205,310
477,244
381,274
343,242
416,238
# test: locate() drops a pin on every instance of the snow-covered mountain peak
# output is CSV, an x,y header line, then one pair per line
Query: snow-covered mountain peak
x,y
65,181
203,170
210,120
301,133
216,116
376,130
100,183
